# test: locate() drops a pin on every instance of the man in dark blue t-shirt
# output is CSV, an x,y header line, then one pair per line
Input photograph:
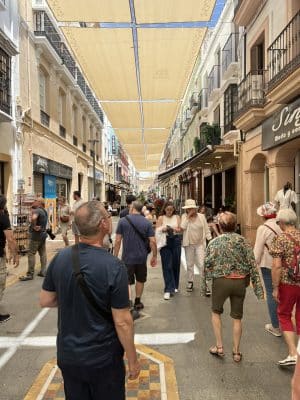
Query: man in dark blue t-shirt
x,y
135,251
90,347
130,198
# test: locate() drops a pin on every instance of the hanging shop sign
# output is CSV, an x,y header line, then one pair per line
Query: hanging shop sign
x,y
98,174
283,126
50,187
50,167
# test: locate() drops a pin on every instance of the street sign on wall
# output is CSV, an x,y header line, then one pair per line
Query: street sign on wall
x,y
282,127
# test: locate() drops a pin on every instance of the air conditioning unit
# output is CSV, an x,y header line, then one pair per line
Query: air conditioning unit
x,y
237,147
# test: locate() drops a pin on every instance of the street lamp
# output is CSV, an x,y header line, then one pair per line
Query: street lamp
x,y
93,142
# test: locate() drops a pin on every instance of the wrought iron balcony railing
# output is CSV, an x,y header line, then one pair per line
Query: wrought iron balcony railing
x,y
45,28
62,131
229,51
5,82
251,90
45,119
284,52
214,79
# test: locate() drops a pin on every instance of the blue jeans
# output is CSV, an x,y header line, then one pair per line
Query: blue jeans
x,y
272,305
170,260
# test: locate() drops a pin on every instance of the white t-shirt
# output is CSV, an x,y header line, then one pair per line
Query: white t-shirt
x,y
286,199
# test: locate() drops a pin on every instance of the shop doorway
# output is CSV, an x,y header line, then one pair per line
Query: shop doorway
x,y
208,191
218,191
230,189
62,188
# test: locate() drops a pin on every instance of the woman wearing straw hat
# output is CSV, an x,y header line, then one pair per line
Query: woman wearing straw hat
x,y
195,232
264,236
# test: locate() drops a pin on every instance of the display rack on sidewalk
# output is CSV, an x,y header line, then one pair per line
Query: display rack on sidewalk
x,y
21,219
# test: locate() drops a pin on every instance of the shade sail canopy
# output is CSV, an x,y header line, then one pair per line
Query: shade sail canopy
x,y
138,56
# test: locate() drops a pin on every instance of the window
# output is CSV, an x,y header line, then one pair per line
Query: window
x,y
230,107
217,116
5,82
257,54
43,90
74,120
61,107
84,132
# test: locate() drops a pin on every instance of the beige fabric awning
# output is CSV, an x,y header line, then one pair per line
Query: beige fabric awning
x,y
138,72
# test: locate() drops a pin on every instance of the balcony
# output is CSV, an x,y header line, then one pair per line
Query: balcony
x,y
84,147
194,103
45,119
229,57
203,102
75,140
210,135
62,131
245,11
214,82
5,83
251,100
284,56
45,28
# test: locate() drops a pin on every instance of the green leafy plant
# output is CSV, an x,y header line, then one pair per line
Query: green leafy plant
x,y
211,133
197,144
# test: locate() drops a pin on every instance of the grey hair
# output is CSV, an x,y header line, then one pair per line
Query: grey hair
x,y
88,217
287,216
138,206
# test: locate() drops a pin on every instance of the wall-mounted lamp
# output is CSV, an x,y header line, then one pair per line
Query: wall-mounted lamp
x,y
242,136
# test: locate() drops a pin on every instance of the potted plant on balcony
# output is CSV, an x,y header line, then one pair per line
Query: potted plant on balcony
x,y
197,144
211,133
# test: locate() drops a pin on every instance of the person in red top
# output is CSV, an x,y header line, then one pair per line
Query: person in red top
x,y
286,289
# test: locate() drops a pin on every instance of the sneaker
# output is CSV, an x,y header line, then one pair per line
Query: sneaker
x,y
290,360
176,290
41,275
189,286
167,296
4,318
274,331
26,278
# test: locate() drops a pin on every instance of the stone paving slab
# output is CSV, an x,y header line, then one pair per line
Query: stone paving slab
x,y
157,380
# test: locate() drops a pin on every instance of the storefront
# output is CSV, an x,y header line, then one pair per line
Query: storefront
x,y
50,181
98,179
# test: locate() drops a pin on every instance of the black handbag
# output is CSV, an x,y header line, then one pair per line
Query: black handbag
x,y
144,238
106,315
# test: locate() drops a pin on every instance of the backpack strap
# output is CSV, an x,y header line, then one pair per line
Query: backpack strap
x,y
275,233
107,316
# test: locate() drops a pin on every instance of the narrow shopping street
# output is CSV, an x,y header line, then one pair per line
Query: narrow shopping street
x,y
176,334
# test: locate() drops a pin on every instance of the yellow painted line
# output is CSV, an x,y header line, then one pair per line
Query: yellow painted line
x,y
170,376
40,381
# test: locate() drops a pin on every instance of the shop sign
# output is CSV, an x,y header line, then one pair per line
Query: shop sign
x,y
113,145
50,167
282,126
98,174
50,187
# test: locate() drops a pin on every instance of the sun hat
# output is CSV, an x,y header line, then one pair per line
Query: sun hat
x,y
267,210
190,203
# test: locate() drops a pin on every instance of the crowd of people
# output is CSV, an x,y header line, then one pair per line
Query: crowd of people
x,y
101,287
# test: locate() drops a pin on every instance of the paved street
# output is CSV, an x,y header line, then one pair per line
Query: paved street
x,y
27,343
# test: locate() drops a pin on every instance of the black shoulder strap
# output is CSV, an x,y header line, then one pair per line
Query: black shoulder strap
x,y
135,228
84,287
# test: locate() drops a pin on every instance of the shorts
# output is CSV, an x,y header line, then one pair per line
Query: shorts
x,y
136,272
75,229
64,228
235,289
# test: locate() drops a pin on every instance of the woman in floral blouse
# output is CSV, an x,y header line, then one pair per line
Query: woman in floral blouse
x,y
230,263
286,291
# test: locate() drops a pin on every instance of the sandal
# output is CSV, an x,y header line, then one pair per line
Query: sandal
x,y
237,357
217,351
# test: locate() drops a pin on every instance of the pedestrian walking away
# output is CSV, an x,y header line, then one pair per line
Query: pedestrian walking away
x,y
264,237
195,233
135,232
92,333
6,234
230,263
285,250
37,239
129,200
77,203
169,226
64,218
